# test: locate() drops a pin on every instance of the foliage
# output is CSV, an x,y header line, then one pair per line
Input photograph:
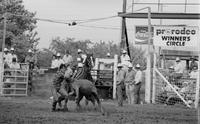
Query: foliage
x,y
19,28
99,50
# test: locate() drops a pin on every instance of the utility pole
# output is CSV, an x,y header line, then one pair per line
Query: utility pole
x,y
124,35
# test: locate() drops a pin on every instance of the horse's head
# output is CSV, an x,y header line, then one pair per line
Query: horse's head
x,y
89,62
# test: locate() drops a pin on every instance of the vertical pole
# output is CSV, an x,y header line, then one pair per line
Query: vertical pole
x,y
3,46
154,78
115,76
148,70
197,86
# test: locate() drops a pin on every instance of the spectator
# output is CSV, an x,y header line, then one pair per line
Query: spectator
x,y
120,84
171,74
67,58
59,60
7,56
178,68
31,59
108,55
14,64
13,55
129,83
124,57
194,73
54,62
193,63
138,83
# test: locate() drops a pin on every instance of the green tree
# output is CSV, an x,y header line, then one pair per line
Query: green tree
x,y
20,32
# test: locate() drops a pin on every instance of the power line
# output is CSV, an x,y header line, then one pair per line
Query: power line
x,y
96,19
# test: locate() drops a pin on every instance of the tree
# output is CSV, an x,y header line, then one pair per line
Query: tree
x,y
20,27
99,50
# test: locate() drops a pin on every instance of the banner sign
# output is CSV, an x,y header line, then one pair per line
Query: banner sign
x,y
176,36
141,35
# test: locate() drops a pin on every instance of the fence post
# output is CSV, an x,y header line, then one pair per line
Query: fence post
x,y
154,79
115,76
197,86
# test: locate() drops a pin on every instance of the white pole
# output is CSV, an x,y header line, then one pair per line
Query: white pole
x,y
148,70
154,78
115,76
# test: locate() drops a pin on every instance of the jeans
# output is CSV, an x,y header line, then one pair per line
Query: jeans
x,y
120,94
137,93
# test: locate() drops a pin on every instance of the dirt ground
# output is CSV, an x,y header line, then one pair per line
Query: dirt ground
x,y
33,110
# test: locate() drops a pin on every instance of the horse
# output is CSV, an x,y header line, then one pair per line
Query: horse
x,y
83,75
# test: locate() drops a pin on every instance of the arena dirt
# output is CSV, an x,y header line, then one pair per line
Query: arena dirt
x,y
32,110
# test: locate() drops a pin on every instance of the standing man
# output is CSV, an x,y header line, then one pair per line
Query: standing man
x,y
138,83
193,63
124,57
120,84
59,60
67,58
7,56
32,61
178,68
129,83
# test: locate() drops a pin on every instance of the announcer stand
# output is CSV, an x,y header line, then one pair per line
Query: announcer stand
x,y
104,74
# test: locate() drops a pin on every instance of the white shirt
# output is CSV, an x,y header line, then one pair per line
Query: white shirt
x,y
179,68
14,66
59,62
56,63
138,77
194,74
67,59
13,56
124,58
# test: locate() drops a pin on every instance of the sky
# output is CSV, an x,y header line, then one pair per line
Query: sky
x,y
91,9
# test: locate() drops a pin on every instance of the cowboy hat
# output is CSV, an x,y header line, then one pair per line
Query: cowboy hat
x,y
5,49
137,66
124,51
119,65
12,49
58,54
79,50
178,59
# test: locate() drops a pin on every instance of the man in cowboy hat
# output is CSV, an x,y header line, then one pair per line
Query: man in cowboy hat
x,y
124,57
194,73
108,55
120,84
138,83
193,63
6,56
129,83
178,68
59,60
13,55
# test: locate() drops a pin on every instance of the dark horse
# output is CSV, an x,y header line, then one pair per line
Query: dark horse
x,y
83,86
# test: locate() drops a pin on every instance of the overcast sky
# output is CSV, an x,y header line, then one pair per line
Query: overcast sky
x,y
89,9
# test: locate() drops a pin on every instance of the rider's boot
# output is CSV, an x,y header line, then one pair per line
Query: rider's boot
x,y
53,109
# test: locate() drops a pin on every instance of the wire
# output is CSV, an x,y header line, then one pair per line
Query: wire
x,y
102,27
97,19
